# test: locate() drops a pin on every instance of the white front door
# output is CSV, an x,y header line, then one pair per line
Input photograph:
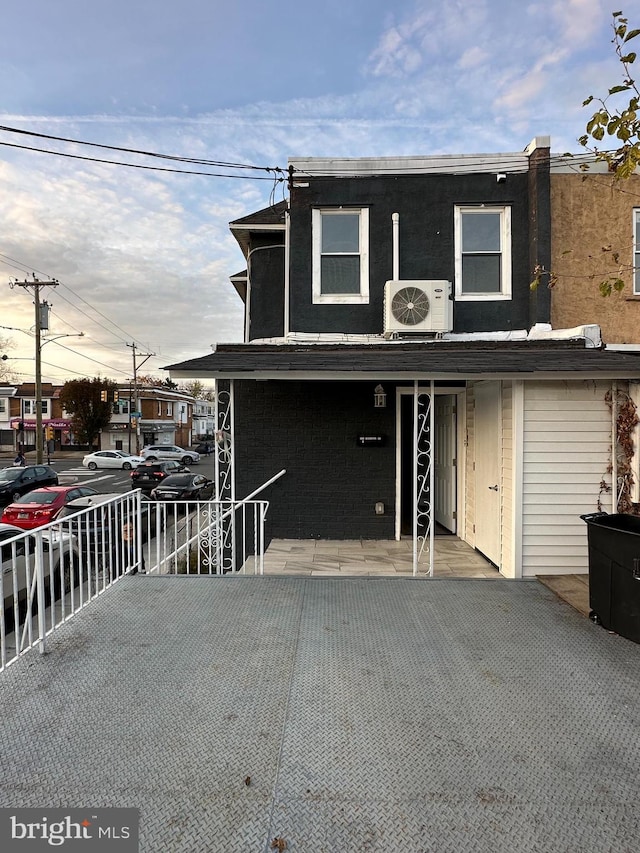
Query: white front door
x,y
487,458
444,461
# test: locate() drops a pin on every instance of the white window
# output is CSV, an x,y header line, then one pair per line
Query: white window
x,y
340,272
636,251
3,407
29,407
483,252
159,408
169,409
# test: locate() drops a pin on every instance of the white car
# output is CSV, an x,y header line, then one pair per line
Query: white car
x,y
159,452
111,459
17,558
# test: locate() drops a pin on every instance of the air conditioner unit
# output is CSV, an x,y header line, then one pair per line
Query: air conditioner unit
x,y
417,307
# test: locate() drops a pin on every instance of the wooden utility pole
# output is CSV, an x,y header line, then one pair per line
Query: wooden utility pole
x,y
37,285
145,356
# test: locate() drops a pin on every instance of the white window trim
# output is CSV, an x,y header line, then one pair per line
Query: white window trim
x,y
29,407
505,252
320,298
635,252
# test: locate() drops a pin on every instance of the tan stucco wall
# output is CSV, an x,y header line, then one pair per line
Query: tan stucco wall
x,y
589,212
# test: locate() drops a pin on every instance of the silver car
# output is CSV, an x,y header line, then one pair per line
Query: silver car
x,y
159,452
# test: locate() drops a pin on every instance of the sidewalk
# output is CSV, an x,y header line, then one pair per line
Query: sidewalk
x,y
7,456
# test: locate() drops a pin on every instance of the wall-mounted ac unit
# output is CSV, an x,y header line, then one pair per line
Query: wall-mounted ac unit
x,y
417,307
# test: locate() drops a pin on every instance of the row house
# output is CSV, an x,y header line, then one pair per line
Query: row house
x,y
18,417
398,364
153,415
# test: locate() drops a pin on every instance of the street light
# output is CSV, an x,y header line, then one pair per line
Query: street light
x,y
40,343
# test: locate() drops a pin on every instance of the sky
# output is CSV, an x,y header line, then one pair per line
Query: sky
x,y
144,257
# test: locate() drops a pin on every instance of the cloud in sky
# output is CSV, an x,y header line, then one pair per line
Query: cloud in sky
x,y
146,256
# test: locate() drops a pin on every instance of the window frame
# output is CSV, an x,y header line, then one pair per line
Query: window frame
x,y
320,298
29,406
505,251
635,252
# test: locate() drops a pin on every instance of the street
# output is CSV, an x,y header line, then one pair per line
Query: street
x,y
107,480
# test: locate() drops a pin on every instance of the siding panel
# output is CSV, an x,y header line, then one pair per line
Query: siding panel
x,y
567,448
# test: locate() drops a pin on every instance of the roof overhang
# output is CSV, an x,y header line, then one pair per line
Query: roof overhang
x,y
401,362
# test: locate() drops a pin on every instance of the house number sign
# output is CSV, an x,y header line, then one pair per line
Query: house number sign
x,y
372,440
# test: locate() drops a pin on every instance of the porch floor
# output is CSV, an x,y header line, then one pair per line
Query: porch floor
x,y
453,558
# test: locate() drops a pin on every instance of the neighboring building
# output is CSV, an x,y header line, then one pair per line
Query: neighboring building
x,y
595,234
399,366
204,419
155,415
18,417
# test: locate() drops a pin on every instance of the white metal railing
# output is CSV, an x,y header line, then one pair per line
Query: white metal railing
x,y
50,573
209,537
213,537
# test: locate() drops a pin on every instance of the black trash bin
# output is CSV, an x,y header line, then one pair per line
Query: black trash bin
x,y
614,572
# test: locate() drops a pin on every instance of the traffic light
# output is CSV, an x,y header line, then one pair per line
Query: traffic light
x,y
115,396
48,433
103,396
134,422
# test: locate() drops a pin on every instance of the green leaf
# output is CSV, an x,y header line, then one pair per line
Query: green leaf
x,y
618,285
598,133
605,288
632,34
619,89
630,58
588,101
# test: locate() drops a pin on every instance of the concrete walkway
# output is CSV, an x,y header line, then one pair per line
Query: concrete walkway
x,y
337,714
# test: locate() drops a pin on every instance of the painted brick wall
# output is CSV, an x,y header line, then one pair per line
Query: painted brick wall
x,y
331,485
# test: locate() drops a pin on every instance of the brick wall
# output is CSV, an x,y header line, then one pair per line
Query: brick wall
x,y
311,428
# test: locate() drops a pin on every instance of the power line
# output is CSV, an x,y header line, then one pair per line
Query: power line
x,y
201,161
24,268
140,166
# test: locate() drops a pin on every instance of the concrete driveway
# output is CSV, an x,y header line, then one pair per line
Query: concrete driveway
x,y
335,714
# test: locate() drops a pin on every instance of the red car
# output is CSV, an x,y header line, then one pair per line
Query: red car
x,y
42,505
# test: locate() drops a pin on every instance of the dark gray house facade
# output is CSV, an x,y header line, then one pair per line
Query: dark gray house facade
x,y
398,365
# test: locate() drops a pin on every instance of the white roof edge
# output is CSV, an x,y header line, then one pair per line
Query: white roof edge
x,y
442,163
257,226
623,347
541,331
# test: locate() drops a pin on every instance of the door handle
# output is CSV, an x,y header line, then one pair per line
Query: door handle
x,y
494,488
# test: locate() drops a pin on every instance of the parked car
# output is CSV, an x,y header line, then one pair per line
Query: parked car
x,y
205,448
15,482
184,487
18,556
149,474
91,528
158,452
111,459
42,505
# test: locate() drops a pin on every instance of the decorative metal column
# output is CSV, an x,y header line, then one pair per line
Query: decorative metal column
x,y
219,540
423,475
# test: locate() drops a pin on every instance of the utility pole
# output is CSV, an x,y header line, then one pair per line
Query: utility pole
x,y
145,356
37,285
